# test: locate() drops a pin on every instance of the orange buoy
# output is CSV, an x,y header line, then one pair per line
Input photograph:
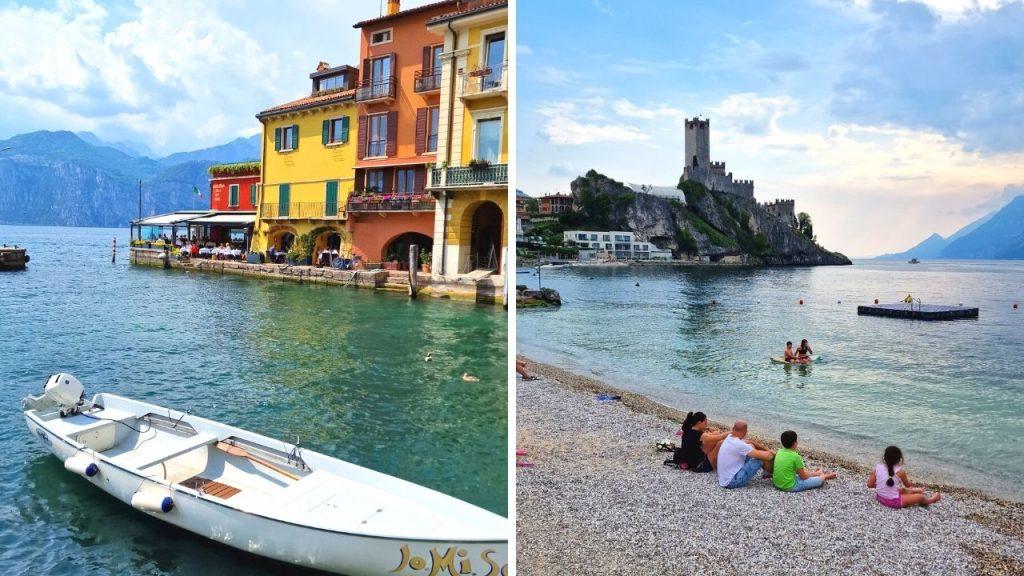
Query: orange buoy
x,y
876,300
801,301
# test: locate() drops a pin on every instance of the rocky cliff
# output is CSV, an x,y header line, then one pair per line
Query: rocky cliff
x,y
711,224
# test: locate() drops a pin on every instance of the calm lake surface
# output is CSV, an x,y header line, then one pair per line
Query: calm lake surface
x,y
340,368
951,394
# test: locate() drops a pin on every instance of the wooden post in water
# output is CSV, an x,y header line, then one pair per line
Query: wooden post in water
x,y
113,253
414,263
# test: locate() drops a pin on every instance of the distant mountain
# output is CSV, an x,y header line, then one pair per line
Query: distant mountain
x,y
129,148
997,235
238,150
1000,237
930,247
60,178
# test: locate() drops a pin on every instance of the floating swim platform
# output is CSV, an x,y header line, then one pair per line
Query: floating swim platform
x,y
918,311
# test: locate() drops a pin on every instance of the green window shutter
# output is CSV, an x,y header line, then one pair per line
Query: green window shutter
x,y
277,139
344,129
233,195
325,137
331,201
283,199
252,194
295,136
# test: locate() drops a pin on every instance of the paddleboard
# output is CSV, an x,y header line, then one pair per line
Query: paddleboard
x,y
778,360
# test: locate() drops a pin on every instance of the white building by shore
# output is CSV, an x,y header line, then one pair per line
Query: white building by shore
x,y
618,245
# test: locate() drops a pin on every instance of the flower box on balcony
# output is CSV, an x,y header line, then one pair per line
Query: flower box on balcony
x,y
479,72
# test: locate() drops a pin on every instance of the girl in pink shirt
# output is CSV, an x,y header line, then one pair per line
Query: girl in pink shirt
x,y
887,478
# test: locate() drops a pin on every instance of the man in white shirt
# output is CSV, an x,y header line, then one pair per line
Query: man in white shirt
x,y
740,460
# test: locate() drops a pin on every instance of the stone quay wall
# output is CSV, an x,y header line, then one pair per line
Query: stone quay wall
x,y
486,291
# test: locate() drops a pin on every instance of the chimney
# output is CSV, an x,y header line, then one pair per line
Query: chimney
x,y
322,66
393,7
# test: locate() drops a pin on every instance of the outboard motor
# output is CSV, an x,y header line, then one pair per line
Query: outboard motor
x,y
66,392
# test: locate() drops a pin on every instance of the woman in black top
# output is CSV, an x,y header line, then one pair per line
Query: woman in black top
x,y
697,442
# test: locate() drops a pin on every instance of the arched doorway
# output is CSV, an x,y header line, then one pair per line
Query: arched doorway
x,y
397,249
282,240
485,237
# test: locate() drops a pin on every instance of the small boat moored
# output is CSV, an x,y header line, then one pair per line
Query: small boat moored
x,y
262,495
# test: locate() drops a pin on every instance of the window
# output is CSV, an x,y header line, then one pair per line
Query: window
x,y
374,180
494,45
253,189
435,58
406,180
581,236
593,236
488,139
336,130
289,137
331,83
605,237
233,196
377,139
433,115
380,37
380,78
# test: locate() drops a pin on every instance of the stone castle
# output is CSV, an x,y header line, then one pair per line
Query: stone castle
x,y
712,175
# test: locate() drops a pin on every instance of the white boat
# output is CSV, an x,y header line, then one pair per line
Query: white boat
x,y
262,495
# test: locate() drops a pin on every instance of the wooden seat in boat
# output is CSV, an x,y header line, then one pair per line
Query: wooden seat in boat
x,y
210,487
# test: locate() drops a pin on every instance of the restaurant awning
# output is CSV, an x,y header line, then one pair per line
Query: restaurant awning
x,y
226,219
171,218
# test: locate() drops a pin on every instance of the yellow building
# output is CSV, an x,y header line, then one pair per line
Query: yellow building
x,y
470,179
308,160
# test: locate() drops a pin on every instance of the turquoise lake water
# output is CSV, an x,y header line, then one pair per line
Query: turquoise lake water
x,y
951,394
340,368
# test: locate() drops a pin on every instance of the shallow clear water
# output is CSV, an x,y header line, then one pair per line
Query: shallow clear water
x,y
340,368
950,393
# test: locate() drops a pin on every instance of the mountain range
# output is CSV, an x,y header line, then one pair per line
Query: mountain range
x,y
997,236
66,179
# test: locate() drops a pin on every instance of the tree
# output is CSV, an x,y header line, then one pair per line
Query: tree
x,y
805,226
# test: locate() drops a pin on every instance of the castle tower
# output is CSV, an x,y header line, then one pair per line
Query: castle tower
x,y
698,144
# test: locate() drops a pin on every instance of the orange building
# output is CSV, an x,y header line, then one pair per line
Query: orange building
x,y
555,203
398,107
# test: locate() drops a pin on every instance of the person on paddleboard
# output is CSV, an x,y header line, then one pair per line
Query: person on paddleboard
x,y
804,351
792,357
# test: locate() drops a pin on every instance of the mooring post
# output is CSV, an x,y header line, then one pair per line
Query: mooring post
x,y
167,256
414,262
113,253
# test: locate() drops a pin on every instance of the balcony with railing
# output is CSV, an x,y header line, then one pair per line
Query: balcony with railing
x,y
463,176
379,202
376,89
427,80
484,82
302,211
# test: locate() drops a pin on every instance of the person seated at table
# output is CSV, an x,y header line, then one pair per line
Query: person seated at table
x,y
194,249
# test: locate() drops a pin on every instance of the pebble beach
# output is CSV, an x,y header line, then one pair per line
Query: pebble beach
x,y
598,500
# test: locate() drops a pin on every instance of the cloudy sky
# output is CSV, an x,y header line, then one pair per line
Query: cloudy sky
x,y
174,75
885,120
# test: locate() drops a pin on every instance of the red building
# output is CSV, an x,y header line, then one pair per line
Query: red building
x,y
234,187
555,203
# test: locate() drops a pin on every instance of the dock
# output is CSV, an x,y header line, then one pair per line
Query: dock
x,y
918,311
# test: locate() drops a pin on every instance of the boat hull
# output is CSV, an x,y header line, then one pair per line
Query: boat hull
x,y
342,553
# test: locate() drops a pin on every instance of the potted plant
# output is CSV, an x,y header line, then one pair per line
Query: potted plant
x,y
425,258
479,163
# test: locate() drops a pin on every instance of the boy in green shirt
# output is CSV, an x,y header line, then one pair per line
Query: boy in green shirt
x,y
788,472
